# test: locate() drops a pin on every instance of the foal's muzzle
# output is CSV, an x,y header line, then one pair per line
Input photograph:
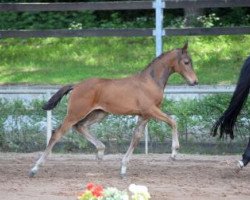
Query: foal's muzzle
x,y
193,83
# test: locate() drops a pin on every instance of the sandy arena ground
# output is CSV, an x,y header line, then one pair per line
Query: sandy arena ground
x,y
64,176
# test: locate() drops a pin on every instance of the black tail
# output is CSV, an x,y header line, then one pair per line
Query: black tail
x,y
226,122
56,98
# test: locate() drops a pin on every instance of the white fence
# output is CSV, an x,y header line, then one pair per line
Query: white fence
x,y
29,93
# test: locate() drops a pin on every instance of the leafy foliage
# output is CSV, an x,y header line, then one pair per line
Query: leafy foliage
x,y
115,19
23,125
196,117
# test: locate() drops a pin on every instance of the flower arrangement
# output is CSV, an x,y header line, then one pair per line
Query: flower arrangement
x,y
97,192
92,192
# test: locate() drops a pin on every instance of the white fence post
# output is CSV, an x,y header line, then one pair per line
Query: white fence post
x,y
159,5
146,139
158,33
49,121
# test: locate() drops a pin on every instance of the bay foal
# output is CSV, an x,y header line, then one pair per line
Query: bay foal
x,y
141,94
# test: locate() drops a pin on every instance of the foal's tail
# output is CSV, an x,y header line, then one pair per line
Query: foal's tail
x,y
226,122
56,98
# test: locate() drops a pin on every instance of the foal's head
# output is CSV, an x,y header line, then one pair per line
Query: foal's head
x,y
183,65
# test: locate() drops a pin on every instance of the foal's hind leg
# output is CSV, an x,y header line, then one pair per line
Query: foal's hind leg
x,y
138,133
57,134
83,127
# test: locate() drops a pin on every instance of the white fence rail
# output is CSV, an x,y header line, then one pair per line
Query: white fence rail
x,y
29,93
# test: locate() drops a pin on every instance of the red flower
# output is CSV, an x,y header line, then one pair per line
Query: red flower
x,y
97,191
90,186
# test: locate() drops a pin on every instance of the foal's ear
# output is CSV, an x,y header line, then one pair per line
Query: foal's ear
x,y
185,47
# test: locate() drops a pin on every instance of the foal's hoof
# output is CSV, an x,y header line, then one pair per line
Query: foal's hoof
x,y
31,174
123,176
100,155
123,171
173,156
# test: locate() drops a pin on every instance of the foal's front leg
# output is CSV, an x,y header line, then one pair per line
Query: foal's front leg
x,y
138,133
158,114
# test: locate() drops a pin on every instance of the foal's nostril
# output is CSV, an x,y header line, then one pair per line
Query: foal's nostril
x,y
194,83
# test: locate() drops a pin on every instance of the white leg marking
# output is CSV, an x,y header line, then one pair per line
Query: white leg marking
x,y
35,169
135,140
175,142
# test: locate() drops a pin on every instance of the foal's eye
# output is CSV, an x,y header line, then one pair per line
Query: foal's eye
x,y
186,62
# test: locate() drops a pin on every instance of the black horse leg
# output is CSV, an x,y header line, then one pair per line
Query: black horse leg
x,y
246,156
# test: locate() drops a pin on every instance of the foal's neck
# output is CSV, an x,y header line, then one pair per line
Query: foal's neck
x,y
159,70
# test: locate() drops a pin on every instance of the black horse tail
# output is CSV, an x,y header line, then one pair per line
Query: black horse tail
x,y
56,98
227,121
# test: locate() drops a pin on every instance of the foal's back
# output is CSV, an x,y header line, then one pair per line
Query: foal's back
x,y
131,95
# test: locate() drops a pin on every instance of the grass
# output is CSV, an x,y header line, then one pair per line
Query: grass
x,y
217,59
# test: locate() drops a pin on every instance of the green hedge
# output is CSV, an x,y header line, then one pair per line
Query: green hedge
x,y
112,19
23,126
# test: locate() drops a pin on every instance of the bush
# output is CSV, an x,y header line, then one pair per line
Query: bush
x,y
23,125
196,117
115,19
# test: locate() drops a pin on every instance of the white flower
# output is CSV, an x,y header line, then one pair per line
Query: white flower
x,y
140,192
137,188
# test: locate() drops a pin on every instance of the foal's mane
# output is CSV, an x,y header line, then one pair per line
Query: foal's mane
x,y
161,56
157,58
